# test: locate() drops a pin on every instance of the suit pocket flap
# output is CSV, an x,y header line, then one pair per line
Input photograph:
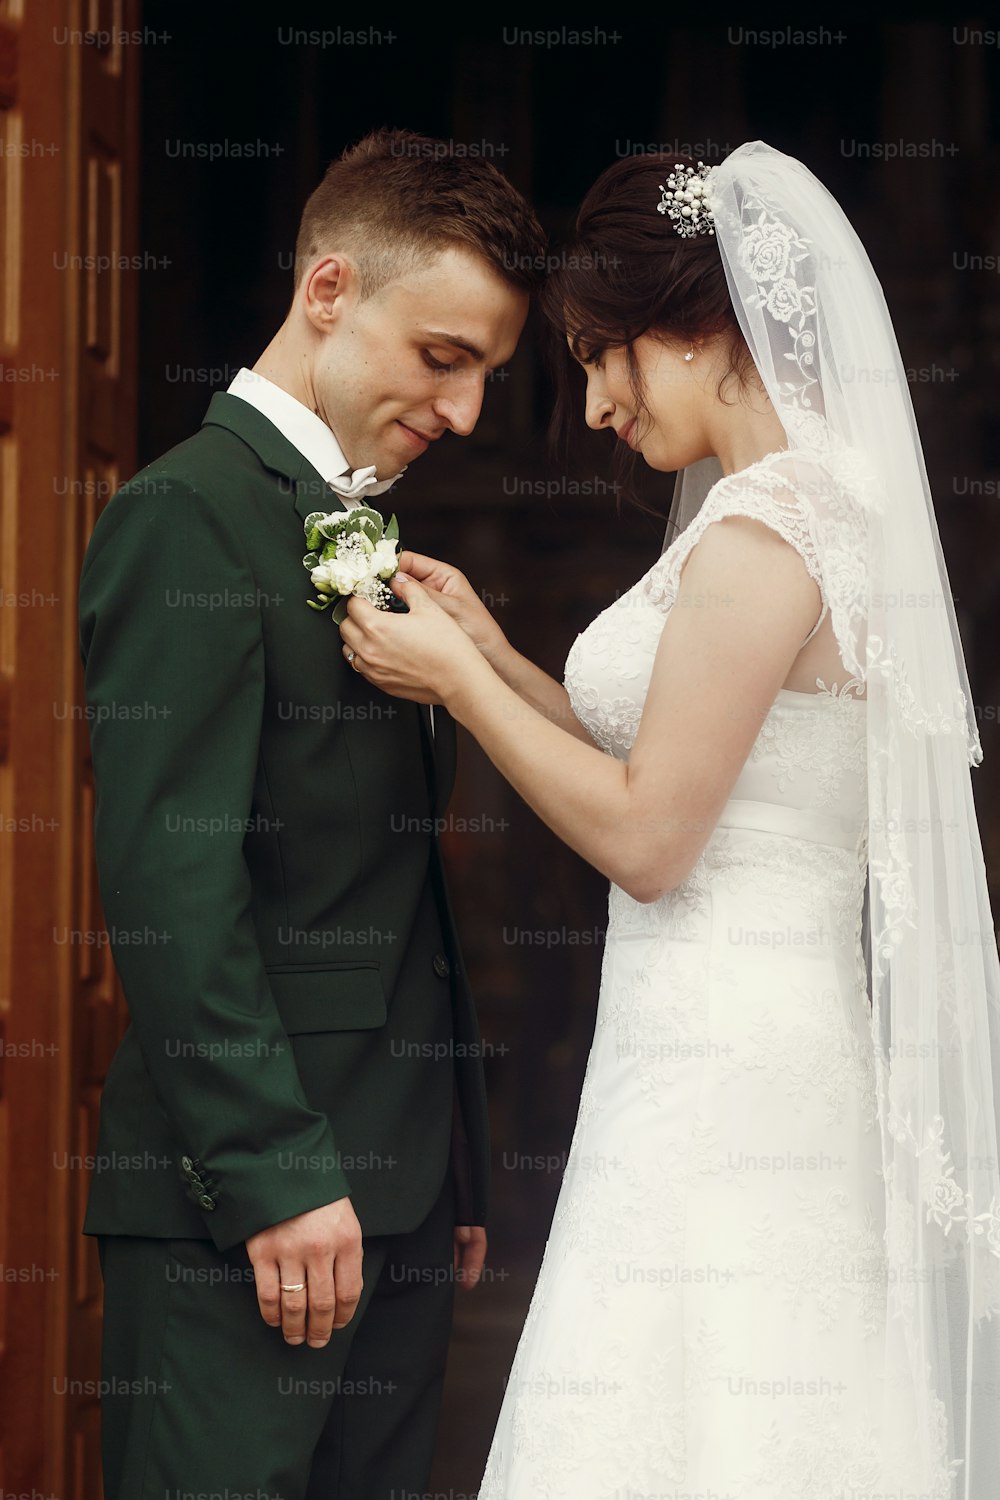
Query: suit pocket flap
x,y
345,998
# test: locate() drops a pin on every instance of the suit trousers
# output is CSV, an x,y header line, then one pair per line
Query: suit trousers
x,y
200,1397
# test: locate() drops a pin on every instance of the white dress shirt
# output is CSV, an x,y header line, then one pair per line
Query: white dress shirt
x,y
310,435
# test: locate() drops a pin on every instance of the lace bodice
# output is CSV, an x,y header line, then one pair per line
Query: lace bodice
x,y
810,753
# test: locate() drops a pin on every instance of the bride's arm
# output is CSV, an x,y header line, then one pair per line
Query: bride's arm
x,y
455,594
539,691
717,670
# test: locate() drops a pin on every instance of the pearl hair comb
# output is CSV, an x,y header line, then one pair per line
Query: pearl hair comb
x,y
685,200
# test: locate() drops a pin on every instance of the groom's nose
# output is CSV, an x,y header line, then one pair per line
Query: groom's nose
x,y
460,409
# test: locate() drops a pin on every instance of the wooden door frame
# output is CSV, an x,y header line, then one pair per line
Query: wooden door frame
x,y
69,75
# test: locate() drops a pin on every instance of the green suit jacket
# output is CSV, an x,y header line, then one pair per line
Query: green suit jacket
x,y
265,826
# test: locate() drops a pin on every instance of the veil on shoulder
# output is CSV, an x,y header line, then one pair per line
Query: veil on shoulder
x,y
815,320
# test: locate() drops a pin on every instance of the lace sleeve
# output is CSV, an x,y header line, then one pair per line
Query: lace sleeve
x,y
803,505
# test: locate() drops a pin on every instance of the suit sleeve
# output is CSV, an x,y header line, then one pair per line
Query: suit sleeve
x,y
172,643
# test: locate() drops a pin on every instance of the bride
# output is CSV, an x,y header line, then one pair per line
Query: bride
x,y
789,1289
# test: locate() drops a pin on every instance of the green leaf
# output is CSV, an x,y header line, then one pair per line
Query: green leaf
x,y
311,560
363,518
314,517
340,610
392,530
332,526
369,514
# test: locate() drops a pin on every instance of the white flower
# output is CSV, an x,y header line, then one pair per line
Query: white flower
x,y
846,579
944,1200
384,559
340,574
894,888
766,249
375,591
784,299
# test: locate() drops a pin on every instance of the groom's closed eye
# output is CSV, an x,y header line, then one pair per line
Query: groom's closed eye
x,y
435,364
438,338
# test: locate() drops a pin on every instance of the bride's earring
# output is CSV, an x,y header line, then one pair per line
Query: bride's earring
x,y
690,354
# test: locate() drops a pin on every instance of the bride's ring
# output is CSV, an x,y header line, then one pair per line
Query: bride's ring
x,y
350,657
295,1286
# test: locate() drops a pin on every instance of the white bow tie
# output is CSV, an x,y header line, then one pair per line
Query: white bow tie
x,y
358,482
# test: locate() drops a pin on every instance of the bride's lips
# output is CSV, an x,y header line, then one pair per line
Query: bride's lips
x,y
625,433
420,440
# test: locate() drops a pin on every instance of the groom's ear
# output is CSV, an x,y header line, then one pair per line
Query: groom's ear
x,y
326,288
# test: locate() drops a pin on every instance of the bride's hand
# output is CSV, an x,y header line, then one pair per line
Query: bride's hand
x,y
424,655
456,596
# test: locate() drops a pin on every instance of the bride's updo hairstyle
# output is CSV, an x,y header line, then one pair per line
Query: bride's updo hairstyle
x,y
626,272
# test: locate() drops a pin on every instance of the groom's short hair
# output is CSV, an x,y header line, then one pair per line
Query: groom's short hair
x,y
397,198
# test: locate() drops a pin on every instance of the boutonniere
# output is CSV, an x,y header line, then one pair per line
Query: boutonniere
x,y
351,552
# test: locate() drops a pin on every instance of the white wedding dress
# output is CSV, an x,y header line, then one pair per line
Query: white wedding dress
x,y
713,1284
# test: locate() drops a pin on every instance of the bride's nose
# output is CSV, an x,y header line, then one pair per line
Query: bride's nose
x,y
598,408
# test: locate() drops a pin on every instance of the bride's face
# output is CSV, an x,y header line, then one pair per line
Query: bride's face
x,y
671,432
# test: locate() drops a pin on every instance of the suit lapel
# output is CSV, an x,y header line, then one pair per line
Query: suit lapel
x,y
309,491
305,485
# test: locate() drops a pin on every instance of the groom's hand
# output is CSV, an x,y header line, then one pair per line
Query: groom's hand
x,y
455,594
470,1253
321,1248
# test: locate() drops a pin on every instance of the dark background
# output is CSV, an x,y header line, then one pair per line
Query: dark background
x,y
547,550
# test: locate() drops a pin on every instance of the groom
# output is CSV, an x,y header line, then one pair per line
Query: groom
x,y
301,1083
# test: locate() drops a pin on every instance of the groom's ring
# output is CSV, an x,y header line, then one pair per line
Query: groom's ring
x,y
295,1286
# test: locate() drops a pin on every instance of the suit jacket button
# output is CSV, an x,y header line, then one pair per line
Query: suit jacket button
x,y
187,1165
442,967
206,1201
